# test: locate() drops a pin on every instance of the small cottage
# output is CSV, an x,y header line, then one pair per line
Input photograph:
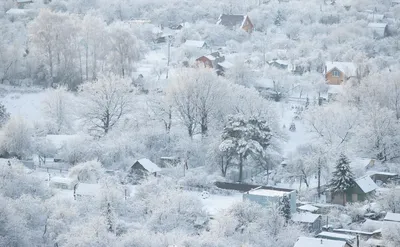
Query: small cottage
x,y
311,222
236,22
363,188
142,168
270,195
210,61
337,73
378,29
319,242
382,177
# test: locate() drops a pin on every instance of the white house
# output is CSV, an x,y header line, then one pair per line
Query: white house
x,y
87,190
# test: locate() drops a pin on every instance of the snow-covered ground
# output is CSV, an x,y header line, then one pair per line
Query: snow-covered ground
x,y
26,105
216,203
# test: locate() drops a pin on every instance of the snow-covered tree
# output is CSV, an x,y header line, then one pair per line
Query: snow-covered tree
x,y
105,102
58,107
244,137
87,172
4,115
17,138
285,207
342,177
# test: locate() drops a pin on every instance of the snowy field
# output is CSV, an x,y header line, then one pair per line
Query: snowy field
x,y
27,105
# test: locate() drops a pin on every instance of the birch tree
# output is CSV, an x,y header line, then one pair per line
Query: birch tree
x,y
105,102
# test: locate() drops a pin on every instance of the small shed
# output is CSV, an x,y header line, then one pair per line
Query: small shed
x,y
378,29
318,242
338,72
310,221
268,195
62,183
143,167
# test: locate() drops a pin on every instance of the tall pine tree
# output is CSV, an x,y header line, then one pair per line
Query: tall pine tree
x,y
285,208
343,177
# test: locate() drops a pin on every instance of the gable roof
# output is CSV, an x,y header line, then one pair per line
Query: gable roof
x,y
305,217
195,43
225,64
347,68
377,25
366,184
318,242
308,207
148,165
231,20
392,217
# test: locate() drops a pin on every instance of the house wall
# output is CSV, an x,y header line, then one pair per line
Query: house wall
x,y
268,200
204,62
334,80
247,25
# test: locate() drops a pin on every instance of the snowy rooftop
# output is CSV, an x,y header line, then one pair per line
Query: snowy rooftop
x,y
267,192
305,217
348,68
392,217
366,184
225,64
308,207
231,20
18,11
61,180
59,140
88,189
377,25
317,242
336,235
195,43
370,173
149,166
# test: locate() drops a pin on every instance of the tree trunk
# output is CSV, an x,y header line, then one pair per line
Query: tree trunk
x,y
240,168
50,63
86,61
319,178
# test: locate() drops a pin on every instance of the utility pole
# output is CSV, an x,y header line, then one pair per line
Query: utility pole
x,y
319,178
169,55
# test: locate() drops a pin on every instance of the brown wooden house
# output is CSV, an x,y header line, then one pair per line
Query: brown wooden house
x,y
236,21
363,188
210,61
337,73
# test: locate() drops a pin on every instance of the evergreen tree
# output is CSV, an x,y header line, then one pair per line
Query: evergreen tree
x,y
285,207
4,115
243,137
343,177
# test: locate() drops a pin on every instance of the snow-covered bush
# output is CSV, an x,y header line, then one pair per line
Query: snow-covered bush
x,y
199,179
17,138
87,172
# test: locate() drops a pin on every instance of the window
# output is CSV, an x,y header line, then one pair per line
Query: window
x,y
336,73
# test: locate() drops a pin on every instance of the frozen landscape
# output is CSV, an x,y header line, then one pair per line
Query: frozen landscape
x,y
166,123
